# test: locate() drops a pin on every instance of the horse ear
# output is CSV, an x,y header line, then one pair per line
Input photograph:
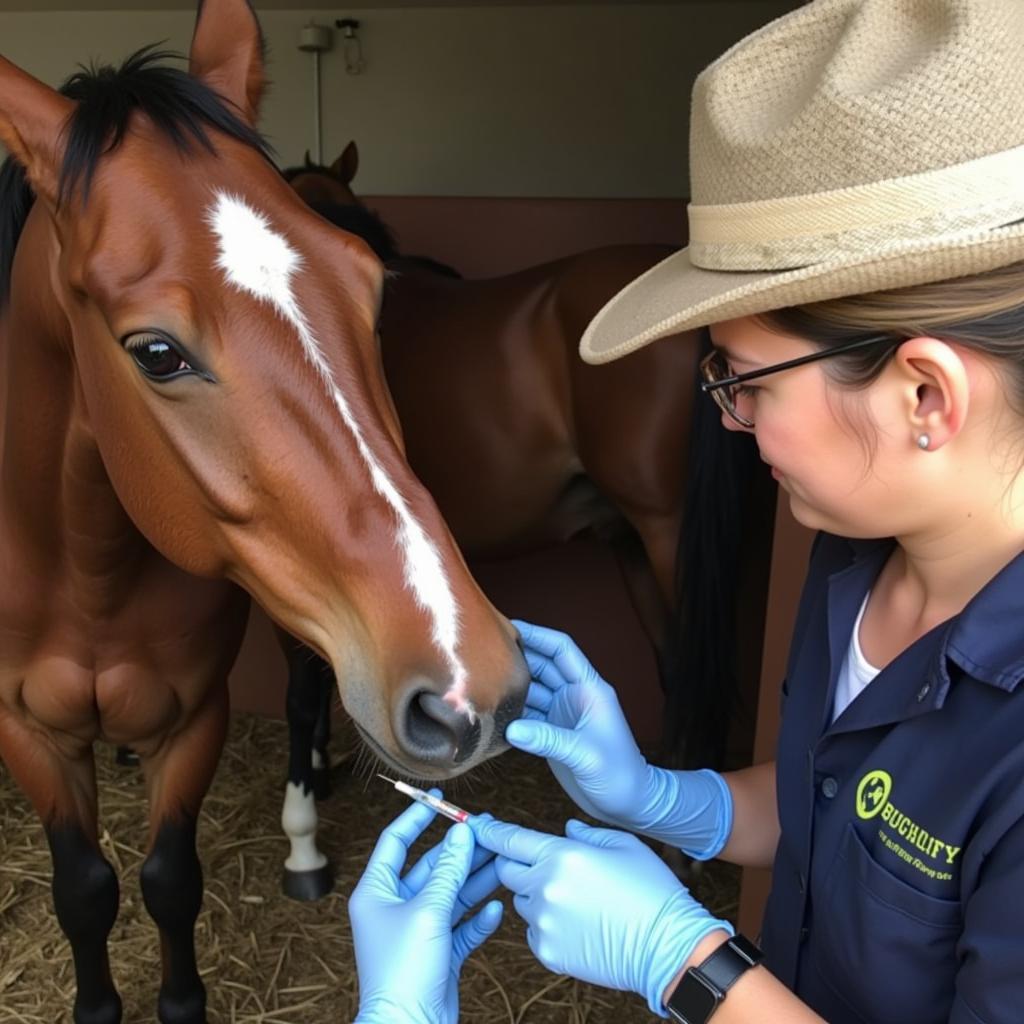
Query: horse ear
x,y
308,162
345,167
32,120
227,53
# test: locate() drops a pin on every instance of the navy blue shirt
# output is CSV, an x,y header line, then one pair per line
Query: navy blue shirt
x,y
898,888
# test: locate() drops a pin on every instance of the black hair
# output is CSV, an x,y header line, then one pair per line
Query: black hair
x,y
362,221
15,202
307,167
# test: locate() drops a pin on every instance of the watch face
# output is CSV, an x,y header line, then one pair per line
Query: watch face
x,y
692,1000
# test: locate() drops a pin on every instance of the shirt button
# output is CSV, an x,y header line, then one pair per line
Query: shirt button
x,y
923,692
804,932
829,787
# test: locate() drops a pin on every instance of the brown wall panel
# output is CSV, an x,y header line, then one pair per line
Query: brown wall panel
x,y
487,237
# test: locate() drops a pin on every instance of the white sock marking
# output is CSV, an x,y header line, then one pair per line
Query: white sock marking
x,y
299,820
258,260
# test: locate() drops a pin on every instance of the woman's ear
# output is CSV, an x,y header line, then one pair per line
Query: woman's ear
x,y
937,391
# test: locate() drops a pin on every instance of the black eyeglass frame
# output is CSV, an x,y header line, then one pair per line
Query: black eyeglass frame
x,y
711,386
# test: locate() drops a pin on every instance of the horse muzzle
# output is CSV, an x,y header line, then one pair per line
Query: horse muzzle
x,y
433,739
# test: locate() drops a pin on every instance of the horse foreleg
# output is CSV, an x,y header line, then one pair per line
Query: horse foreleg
x,y
322,735
307,874
178,777
85,897
85,890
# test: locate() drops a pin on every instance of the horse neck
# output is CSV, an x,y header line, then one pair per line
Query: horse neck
x,y
58,508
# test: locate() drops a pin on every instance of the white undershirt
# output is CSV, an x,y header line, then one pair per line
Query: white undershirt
x,y
856,672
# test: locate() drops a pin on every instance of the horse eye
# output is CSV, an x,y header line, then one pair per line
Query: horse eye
x,y
156,357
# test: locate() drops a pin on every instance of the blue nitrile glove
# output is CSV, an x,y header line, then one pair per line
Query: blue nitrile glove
x,y
407,954
600,905
573,718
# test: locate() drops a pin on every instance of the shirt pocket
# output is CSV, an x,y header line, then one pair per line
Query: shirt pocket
x,y
886,949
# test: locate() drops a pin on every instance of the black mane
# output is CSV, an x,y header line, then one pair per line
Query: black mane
x,y
179,105
355,218
288,173
15,202
360,220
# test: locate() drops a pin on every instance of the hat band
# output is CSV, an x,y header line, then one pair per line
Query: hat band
x,y
798,231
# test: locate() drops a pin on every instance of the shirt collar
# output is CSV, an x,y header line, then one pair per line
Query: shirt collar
x,y
986,637
986,640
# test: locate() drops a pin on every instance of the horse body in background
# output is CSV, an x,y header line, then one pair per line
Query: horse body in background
x,y
522,444
518,440
189,415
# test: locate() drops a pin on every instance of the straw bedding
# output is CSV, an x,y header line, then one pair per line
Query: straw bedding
x,y
265,959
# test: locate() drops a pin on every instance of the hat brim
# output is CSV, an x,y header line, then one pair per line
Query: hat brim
x,y
674,295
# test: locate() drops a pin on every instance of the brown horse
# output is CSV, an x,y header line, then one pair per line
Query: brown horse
x,y
522,444
192,411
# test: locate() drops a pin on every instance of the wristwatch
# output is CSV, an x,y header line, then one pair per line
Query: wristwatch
x,y
702,988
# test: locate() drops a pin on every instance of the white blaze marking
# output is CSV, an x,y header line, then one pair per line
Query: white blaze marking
x,y
258,260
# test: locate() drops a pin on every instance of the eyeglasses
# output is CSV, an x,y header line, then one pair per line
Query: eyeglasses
x,y
723,386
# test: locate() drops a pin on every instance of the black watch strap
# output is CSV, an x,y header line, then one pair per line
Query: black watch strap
x,y
729,961
702,988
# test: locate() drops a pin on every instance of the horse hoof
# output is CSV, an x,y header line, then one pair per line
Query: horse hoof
x,y
308,886
182,1009
107,1012
127,757
321,783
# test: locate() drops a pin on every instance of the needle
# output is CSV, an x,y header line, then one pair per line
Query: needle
x,y
449,810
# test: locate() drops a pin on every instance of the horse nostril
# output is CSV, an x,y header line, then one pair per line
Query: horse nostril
x,y
435,731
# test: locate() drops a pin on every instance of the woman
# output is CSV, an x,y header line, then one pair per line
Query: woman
x,y
857,248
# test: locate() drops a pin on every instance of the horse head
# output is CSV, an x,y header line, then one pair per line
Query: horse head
x,y
225,364
318,183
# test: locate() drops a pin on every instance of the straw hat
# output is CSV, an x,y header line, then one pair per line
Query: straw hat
x,y
848,147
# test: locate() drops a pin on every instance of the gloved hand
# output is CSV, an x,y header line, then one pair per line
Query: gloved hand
x,y
600,905
573,718
407,954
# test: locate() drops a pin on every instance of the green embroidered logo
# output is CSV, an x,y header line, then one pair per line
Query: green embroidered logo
x,y
901,835
873,793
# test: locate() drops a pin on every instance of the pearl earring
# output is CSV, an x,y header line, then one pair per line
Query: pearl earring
x,y
923,441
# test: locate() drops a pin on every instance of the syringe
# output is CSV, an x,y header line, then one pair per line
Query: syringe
x,y
428,799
